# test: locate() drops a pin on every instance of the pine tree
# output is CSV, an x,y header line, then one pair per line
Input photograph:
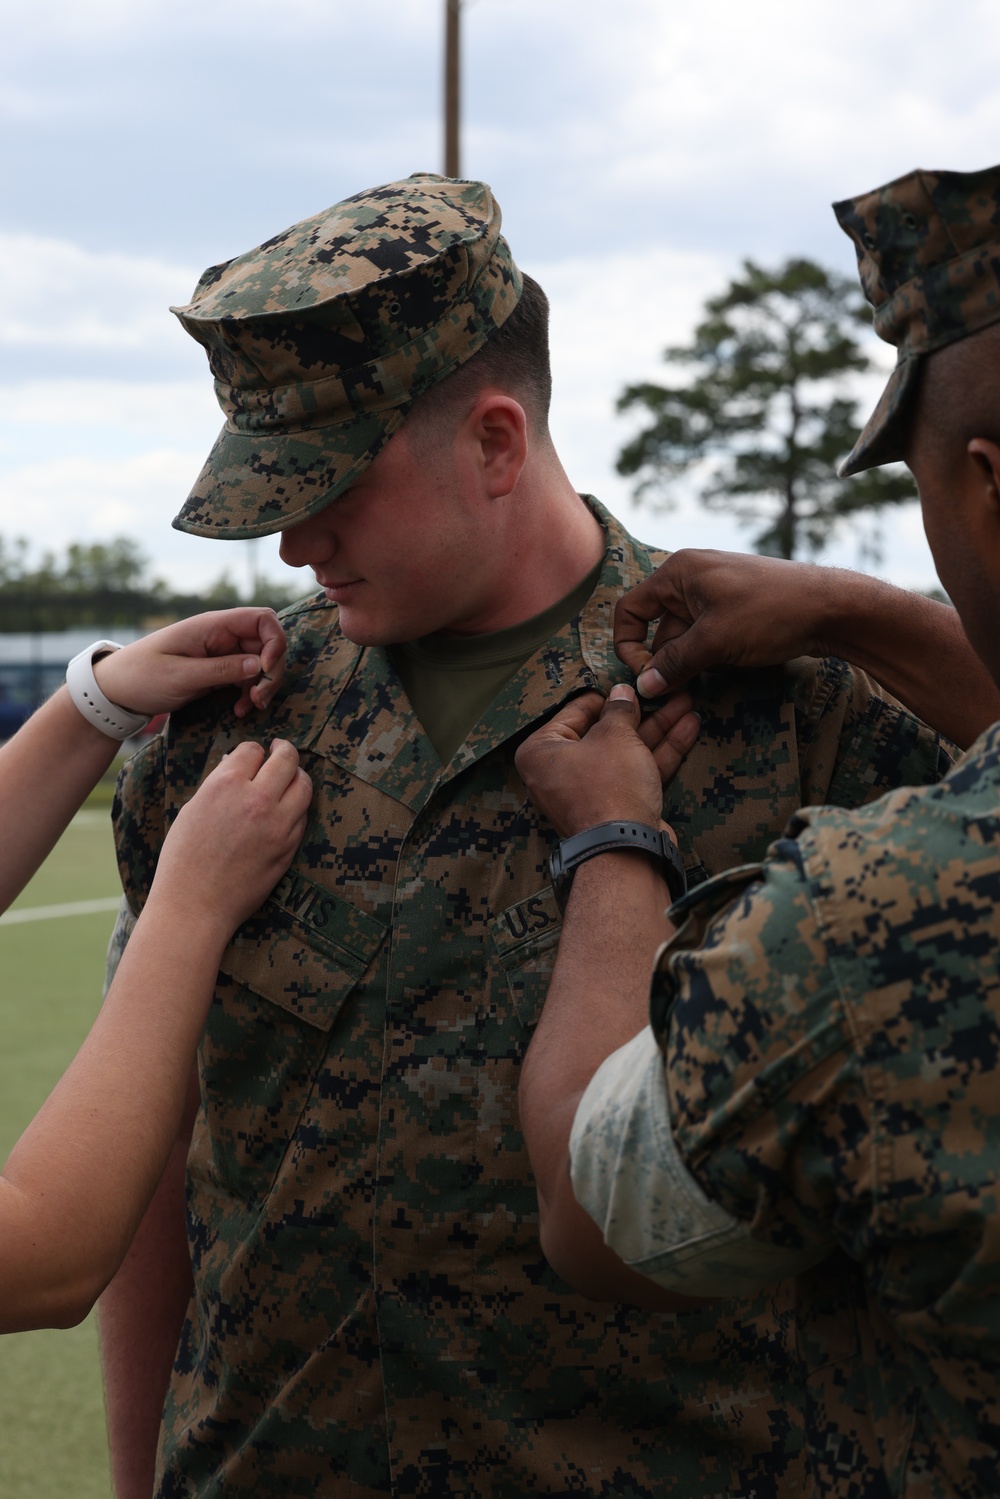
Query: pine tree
x,y
767,413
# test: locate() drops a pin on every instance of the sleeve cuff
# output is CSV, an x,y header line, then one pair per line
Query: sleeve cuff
x,y
628,1175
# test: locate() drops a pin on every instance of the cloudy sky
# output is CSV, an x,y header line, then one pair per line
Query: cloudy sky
x,y
640,150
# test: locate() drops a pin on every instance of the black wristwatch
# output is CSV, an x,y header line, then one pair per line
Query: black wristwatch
x,y
628,836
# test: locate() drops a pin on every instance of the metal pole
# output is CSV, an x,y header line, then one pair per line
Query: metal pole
x,y
253,567
451,88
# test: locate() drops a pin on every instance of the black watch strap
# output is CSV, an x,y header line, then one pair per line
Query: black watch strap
x,y
636,837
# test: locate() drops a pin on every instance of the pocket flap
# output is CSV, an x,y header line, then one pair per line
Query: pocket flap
x,y
526,939
305,949
523,927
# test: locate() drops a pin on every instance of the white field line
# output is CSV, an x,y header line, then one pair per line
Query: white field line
x,y
91,819
70,908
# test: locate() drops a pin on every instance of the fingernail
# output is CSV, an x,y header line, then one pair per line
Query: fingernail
x,y
251,666
651,684
621,690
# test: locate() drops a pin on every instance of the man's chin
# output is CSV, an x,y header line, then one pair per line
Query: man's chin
x,y
361,631
367,627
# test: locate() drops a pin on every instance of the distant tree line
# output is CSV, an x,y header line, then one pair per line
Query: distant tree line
x,y
108,583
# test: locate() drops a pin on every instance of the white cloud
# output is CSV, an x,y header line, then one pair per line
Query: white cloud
x,y
55,292
86,499
163,408
81,498
612,316
733,99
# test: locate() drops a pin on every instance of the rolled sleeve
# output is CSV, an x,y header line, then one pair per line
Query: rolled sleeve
x,y
629,1176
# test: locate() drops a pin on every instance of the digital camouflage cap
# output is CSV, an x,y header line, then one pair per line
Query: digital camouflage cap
x,y
321,339
928,249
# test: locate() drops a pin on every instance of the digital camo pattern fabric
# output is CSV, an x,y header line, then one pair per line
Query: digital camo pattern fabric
x,y
928,247
831,1024
321,339
372,1313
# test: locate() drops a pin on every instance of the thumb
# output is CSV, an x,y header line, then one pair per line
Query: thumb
x,y
181,679
622,704
677,660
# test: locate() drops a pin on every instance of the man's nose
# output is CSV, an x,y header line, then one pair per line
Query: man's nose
x,y
307,544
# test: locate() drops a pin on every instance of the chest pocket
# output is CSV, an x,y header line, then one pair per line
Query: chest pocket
x,y
282,983
525,940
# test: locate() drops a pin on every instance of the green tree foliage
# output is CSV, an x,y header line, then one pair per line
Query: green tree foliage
x,y
766,414
118,565
107,583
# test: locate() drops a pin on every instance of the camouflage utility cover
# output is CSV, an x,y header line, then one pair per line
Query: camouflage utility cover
x,y
371,1312
321,338
928,250
832,1037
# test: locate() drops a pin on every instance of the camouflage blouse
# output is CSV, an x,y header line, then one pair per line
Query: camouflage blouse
x,y
371,1311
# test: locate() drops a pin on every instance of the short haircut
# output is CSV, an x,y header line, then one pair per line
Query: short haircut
x,y
958,397
515,358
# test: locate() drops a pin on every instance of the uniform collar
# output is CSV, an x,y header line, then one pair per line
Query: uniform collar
x,y
368,726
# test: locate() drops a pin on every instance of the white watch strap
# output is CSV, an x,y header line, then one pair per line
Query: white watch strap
x,y
105,715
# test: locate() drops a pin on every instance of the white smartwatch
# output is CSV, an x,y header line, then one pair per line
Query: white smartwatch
x,y
116,722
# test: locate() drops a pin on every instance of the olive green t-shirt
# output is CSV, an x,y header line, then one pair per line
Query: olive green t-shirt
x,y
452,679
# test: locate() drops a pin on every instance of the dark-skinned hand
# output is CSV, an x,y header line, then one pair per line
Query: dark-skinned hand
x,y
722,609
595,762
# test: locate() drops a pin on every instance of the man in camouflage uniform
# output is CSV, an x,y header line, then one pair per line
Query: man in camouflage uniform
x,y
369,1311
817,1091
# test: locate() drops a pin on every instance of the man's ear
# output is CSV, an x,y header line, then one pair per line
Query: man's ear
x,y
499,429
985,456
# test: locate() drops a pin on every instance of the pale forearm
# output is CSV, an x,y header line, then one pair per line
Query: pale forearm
x,y
78,1181
46,771
916,648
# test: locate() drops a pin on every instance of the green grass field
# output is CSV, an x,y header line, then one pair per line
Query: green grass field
x,y
52,1439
